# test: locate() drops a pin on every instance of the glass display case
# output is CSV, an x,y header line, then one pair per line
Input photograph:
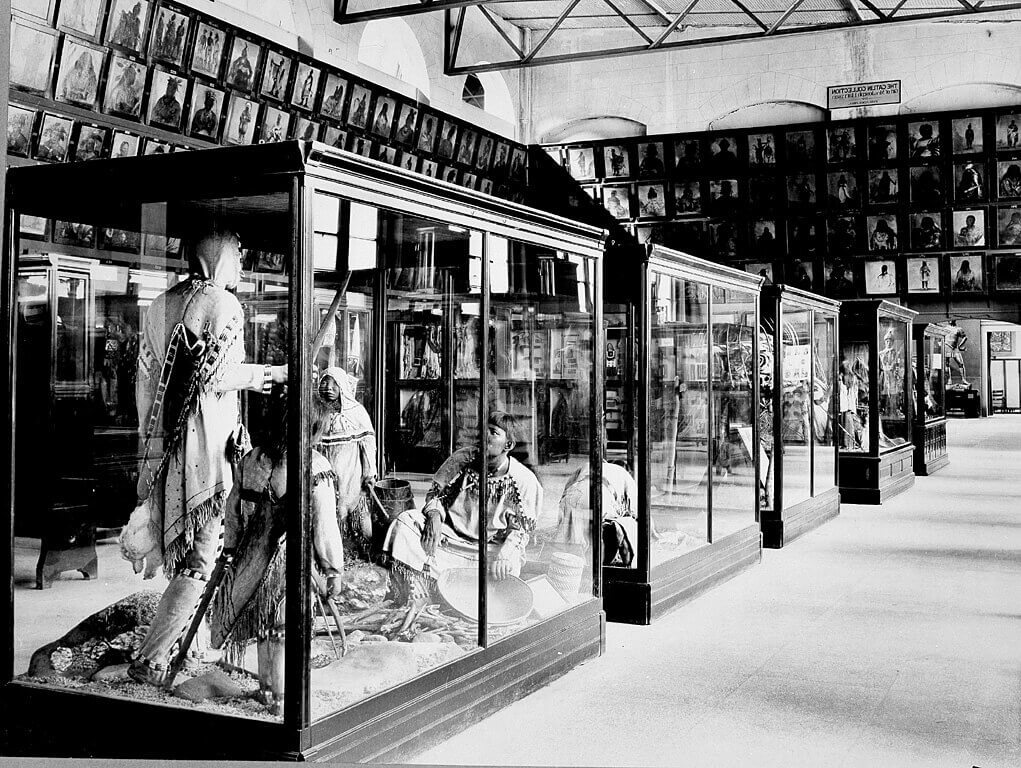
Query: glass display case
x,y
928,363
876,401
797,413
401,343
680,488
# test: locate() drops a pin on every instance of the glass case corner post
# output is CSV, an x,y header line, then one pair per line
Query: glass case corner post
x,y
8,304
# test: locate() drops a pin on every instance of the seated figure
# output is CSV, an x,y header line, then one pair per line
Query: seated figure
x,y
620,515
423,543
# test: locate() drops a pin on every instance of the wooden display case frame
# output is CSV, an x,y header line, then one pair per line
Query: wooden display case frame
x,y
930,435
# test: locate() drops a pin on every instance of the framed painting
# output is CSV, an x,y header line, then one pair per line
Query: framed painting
x,y
54,138
20,125
1007,136
335,137
126,25
244,57
37,10
334,95
276,71
206,110
466,149
305,129
923,274
125,87
275,123
383,116
762,149
91,142
924,140
927,231
78,76
81,18
967,274
969,228
167,92
207,53
1007,271
306,86
616,200
73,233
881,277
616,161
966,135
33,51
124,144
169,36
581,163
241,116
358,111
882,143
407,123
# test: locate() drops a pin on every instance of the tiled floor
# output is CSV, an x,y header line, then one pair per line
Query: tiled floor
x,y
889,637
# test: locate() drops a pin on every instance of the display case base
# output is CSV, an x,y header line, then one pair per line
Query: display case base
x,y
679,580
784,526
874,479
931,447
37,721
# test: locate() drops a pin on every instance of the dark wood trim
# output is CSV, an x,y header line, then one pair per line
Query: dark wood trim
x,y
800,519
8,229
878,478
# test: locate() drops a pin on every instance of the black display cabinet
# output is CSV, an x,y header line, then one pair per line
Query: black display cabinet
x,y
687,431
797,423
334,260
929,363
876,401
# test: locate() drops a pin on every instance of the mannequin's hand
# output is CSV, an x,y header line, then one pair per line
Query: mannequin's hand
x,y
279,374
334,585
368,483
431,531
501,569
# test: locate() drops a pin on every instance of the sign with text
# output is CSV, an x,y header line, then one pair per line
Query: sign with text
x,y
863,94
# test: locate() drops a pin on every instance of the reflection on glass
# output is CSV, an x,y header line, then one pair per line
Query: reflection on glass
x,y
824,458
935,391
853,420
767,461
893,395
796,406
678,415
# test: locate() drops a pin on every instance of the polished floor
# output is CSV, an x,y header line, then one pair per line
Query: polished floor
x,y
891,636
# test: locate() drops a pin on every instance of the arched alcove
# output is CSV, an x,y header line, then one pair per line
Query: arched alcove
x,y
497,97
390,46
964,96
593,129
769,113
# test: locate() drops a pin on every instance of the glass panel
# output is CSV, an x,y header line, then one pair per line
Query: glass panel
x,y
935,391
768,463
542,339
853,407
824,457
733,411
151,353
678,416
796,405
893,390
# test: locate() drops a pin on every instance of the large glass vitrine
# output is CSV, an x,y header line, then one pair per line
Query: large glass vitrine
x,y
797,422
876,401
680,494
412,350
929,365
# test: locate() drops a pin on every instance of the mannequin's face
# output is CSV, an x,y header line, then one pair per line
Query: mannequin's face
x,y
329,389
497,442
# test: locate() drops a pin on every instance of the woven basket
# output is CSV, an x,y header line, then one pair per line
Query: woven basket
x,y
507,601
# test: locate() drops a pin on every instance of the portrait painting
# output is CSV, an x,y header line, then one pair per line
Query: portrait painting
x,y
883,234
687,197
124,144
54,138
241,116
72,233
450,174
617,201
166,100
430,168
20,123
386,154
91,143
517,164
616,161
169,36
763,269
361,145
31,58
335,137
580,163
305,129
1007,132
429,132
841,281
306,84
469,180
650,159
334,93
883,186
126,25
801,275
485,153
764,240
801,189
206,110
486,186
802,238
926,185
78,77
275,123
923,140
687,152
762,192
275,74
42,10
156,147
690,236
466,151
761,149
923,274
966,273
358,111
651,201
882,143
125,85
723,152
841,144
723,196
383,117
244,56
1008,179
407,124
81,17
842,189
407,161
111,239
501,160
723,239
655,234
880,277
207,55
1007,271
966,135
32,226
800,147
844,235
927,231
969,228
1008,227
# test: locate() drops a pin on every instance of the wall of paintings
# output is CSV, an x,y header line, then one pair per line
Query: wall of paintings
x,y
94,79
925,208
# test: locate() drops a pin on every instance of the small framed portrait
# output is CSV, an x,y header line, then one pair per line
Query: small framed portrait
x,y
687,197
1008,226
580,163
923,140
20,124
844,235
763,269
724,241
276,71
91,142
883,186
125,85
485,154
923,274
32,54
800,147
650,160
241,63
1006,271
486,186
841,280
335,137
969,228
358,112
651,201
111,239
275,123
305,129
169,36
383,117
466,151
469,180
761,149
501,160
841,144
882,143
926,185
429,132
966,273
39,10
334,94
429,168
126,25
124,144
156,147
1007,138
688,152
616,161
927,231
723,152
206,110
764,237
166,100
306,85
883,235
241,116
451,174
969,182
880,277
763,192
966,135
54,138
723,195
517,164
842,189
1008,179
361,145
801,189
78,77
408,161
690,236
72,233
33,226
207,55
655,234
407,124
801,274
386,154
81,17
617,201
802,237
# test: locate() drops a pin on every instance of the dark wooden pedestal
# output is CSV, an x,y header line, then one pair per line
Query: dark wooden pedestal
x,y
931,447
782,526
874,479
632,601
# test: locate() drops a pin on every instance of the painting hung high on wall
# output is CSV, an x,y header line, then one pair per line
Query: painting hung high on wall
x,y
20,122
1008,271
275,74
966,273
306,84
81,17
207,55
1008,226
31,58
169,36
969,228
762,149
880,278
244,56
580,163
125,85
882,143
1007,132
126,25
78,77
966,134
923,274
616,161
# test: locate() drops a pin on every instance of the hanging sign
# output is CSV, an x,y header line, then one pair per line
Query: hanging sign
x,y
863,94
